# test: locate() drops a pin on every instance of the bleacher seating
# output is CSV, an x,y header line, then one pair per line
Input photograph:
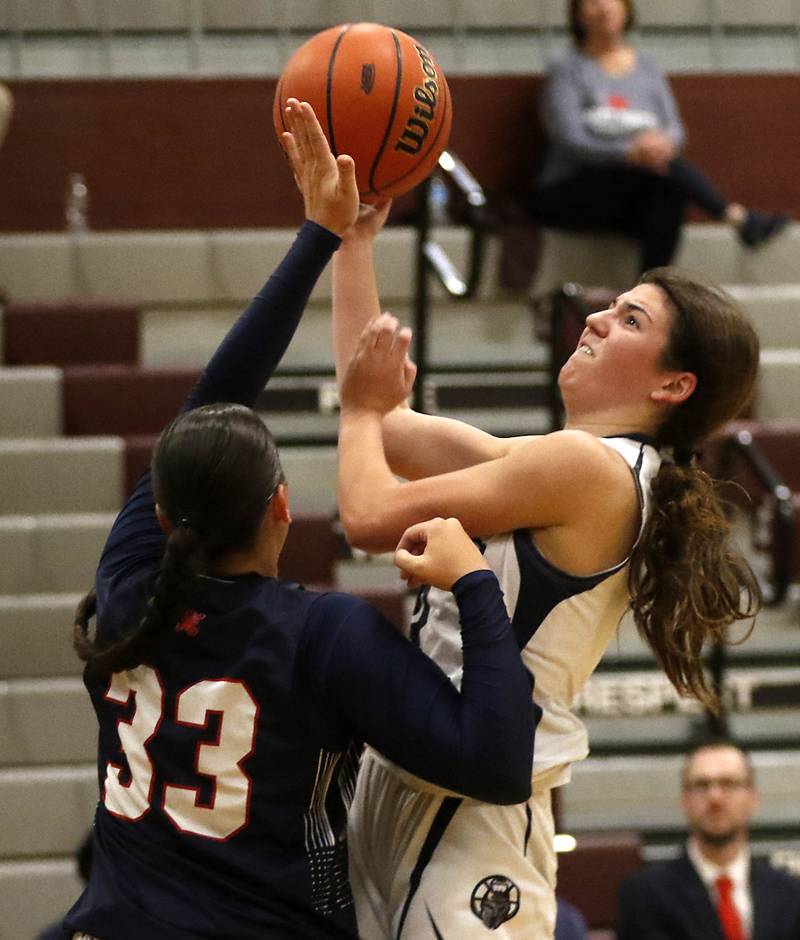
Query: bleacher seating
x,y
201,182
72,38
154,16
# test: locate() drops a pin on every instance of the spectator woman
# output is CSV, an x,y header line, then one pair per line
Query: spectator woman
x,y
614,161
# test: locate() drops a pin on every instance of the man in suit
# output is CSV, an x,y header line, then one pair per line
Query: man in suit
x,y
714,890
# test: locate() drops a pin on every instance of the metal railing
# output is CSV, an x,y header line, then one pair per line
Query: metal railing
x,y
433,261
783,517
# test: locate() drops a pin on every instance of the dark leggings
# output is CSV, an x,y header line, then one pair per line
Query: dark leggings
x,y
630,201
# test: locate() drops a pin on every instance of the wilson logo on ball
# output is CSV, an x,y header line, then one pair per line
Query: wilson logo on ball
x,y
416,129
379,95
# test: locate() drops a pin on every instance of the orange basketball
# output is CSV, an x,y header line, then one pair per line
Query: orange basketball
x,y
379,96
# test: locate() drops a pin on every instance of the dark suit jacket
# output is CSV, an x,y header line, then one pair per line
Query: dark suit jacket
x,y
668,901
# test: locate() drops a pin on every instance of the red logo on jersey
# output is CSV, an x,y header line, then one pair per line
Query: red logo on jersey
x,y
190,623
618,101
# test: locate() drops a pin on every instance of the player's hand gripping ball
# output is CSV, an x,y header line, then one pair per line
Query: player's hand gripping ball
x,y
380,97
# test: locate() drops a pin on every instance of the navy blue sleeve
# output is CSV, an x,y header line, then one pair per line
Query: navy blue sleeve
x,y
255,344
237,372
478,741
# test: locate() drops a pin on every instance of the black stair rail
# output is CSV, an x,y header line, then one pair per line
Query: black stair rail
x,y
433,260
741,444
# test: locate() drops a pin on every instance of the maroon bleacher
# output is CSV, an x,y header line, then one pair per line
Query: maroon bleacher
x,y
123,399
589,876
201,153
69,332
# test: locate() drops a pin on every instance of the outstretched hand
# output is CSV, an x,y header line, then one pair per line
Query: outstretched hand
x,y
437,552
380,375
327,183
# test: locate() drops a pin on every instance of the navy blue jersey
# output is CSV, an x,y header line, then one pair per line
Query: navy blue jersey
x,y
227,761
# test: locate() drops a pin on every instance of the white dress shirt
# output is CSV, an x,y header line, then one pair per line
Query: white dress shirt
x,y
739,873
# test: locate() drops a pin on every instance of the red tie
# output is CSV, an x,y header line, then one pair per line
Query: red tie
x,y
728,915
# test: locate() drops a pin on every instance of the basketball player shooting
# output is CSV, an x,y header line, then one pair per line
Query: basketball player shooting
x,y
609,514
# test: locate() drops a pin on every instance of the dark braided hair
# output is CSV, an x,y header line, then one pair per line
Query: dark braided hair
x,y
687,584
214,471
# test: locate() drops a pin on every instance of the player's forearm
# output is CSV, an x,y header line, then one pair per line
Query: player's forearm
x,y
499,717
355,297
419,445
478,741
366,487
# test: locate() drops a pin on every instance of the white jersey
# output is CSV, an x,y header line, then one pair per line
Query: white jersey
x,y
564,623
425,863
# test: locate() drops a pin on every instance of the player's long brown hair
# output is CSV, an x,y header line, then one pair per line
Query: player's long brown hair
x,y
214,470
687,584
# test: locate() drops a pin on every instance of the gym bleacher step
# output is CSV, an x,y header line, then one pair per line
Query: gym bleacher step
x,y
43,475
46,721
494,331
641,791
36,635
50,553
246,37
617,729
775,310
218,268
35,893
63,795
31,398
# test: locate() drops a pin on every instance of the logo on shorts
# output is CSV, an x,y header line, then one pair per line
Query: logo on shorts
x,y
494,900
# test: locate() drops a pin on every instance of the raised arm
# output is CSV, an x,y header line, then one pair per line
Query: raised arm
x,y
355,288
252,349
417,445
249,354
557,480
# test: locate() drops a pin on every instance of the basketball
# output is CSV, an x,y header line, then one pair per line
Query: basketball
x,y
380,97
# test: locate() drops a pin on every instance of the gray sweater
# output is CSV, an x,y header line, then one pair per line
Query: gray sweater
x,y
591,116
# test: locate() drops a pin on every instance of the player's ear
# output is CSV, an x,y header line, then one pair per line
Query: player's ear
x,y
676,388
279,504
163,521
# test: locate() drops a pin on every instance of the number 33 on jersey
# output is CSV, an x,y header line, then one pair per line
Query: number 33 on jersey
x,y
131,793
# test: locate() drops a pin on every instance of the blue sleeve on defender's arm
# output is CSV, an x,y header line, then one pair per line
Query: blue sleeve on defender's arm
x,y
478,741
255,344
237,372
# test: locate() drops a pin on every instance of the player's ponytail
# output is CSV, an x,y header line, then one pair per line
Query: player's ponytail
x,y
172,587
687,583
214,472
